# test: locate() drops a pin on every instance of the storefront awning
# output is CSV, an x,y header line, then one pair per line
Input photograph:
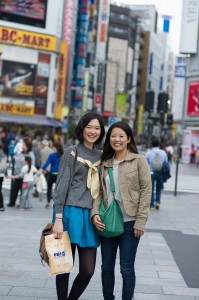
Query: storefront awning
x,y
34,120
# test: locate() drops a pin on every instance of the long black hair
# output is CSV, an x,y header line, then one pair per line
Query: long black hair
x,y
84,122
59,148
29,161
108,151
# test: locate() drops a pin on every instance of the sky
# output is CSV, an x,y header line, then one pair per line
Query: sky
x,y
165,7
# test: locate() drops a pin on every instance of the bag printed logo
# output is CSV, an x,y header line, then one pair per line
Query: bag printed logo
x,y
156,162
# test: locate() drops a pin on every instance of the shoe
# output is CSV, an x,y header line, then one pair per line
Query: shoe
x,y
29,208
152,208
48,205
22,209
2,209
157,206
10,205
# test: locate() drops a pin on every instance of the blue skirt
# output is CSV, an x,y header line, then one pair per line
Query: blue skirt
x,y
76,221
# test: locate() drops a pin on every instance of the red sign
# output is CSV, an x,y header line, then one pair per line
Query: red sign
x,y
98,98
193,98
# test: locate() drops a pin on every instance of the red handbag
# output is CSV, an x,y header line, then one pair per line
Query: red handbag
x,y
24,185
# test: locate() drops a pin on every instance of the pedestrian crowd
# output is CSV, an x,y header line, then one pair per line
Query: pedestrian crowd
x,y
33,165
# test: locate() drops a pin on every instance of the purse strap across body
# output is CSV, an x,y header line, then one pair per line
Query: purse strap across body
x,y
112,183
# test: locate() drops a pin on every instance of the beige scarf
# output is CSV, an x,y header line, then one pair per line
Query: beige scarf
x,y
93,182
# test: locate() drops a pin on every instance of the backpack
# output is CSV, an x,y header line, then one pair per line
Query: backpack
x,y
156,162
3,163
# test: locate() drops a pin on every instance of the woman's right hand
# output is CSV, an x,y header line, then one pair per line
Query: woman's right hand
x,y
58,228
98,223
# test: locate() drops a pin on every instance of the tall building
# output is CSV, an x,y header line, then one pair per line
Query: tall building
x,y
119,61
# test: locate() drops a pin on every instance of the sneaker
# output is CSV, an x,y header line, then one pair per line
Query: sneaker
x,y
48,205
2,209
22,209
29,208
157,206
152,208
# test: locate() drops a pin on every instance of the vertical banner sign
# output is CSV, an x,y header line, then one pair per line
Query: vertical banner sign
x,y
121,105
61,79
193,98
189,26
41,84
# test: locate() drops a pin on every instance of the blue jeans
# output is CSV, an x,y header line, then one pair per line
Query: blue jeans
x,y
128,247
26,196
157,186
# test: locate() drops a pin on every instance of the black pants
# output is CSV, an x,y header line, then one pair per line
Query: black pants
x,y
16,186
1,195
87,259
51,180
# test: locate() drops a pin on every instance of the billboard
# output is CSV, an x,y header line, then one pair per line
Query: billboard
x,y
61,79
29,12
121,105
193,98
41,83
27,39
18,79
178,89
189,26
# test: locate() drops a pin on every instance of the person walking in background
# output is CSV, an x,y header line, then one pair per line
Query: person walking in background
x,y
3,169
36,150
45,152
16,184
133,193
11,148
193,154
170,152
54,161
156,158
81,163
27,174
197,157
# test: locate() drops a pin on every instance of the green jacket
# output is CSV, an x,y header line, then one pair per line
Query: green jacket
x,y
135,187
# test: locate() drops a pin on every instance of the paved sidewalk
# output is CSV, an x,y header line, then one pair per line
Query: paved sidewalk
x,y
159,273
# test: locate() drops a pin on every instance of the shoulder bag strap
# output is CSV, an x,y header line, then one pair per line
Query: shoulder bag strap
x,y
112,184
71,177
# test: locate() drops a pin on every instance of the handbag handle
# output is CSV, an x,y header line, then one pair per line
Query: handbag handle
x,y
112,183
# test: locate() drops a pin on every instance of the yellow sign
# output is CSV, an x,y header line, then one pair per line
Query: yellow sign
x,y
18,109
27,39
140,119
61,79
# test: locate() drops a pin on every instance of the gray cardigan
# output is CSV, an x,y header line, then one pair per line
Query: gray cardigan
x,y
79,195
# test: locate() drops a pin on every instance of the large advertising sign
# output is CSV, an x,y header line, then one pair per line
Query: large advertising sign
x,y
179,86
189,26
61,79
18,79
29,12
27,39
18,109
41,84
121,105
193,98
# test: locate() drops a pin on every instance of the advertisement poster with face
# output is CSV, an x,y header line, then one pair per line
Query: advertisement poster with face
x,y
18,79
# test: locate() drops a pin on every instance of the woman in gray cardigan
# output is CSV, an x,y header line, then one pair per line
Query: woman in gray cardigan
x,y
81,162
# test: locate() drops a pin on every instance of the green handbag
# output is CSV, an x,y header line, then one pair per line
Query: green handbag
x,y
112,215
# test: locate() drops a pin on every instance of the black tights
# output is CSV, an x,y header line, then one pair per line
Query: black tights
x,y
87,259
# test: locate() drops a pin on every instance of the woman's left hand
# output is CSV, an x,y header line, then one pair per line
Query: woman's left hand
x,y
138,233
